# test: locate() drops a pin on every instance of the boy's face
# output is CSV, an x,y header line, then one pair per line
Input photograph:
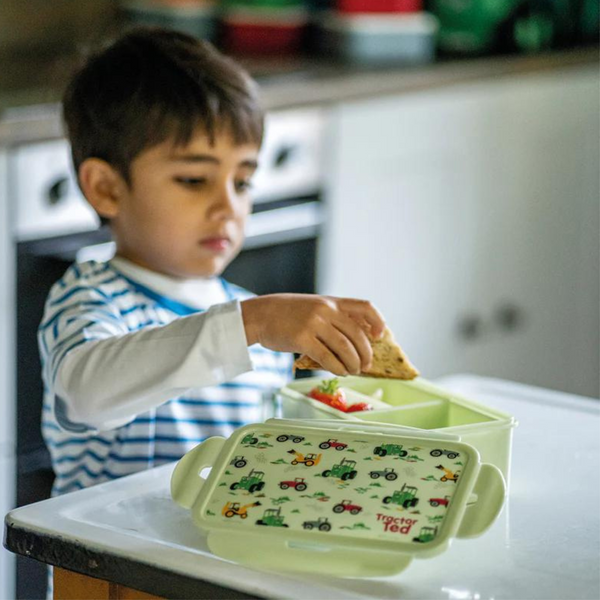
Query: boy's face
x,y
185,210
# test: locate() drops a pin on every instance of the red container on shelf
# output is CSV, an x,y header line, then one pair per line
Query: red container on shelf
x,y
379,6
264,32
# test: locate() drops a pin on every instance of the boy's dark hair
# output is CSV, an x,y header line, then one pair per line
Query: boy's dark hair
x,y
152,85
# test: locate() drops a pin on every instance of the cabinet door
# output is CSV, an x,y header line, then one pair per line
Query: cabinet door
x,y
400,218
537,234
470,217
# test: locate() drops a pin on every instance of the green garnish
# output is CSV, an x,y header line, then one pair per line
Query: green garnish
x,y
329,386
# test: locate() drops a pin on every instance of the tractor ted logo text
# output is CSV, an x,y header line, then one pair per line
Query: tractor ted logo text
x,y
399,525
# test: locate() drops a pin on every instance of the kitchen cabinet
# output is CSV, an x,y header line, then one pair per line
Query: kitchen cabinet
x,y
469,216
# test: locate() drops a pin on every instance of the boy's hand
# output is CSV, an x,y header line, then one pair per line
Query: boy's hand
x,y
333,331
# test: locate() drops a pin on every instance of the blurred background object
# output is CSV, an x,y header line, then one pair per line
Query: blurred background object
x,y
194,17
38,26
438,157
378,38
348,30
379,6
38,39
264,26
480,26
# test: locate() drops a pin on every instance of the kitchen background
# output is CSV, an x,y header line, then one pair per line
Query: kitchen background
x,y
439,158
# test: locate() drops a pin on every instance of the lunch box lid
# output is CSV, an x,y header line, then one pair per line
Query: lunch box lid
x,y
331,486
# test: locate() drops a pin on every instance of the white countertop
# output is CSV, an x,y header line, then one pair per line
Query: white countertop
x,y
545,544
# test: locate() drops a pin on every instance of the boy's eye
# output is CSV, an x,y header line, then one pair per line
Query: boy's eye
x,y
243,185
191,181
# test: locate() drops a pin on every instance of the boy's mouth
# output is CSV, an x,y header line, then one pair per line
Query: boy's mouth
x,y
216,244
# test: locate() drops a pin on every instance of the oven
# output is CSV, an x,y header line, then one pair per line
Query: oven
x,y
54,226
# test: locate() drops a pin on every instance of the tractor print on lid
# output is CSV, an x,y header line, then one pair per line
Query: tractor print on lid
x,y
347,506
326,491
449,453
439,501
322,524
250,439
405,496
299,484
253,482
239,462
272,517
295,438
232,509
344,470
333,444
448,474
388,473
427,534
390,450
308,460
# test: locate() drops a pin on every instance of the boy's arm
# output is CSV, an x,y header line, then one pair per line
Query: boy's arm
x,y
107,382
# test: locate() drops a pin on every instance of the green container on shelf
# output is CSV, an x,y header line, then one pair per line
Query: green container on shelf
x,y
468,26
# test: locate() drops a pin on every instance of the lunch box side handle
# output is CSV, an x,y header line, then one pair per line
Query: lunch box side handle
x,y
186,482
278,554
490,489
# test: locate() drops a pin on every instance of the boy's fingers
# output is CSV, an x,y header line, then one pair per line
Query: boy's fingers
x,y
329,361
375,320
339,344
359,340
367,317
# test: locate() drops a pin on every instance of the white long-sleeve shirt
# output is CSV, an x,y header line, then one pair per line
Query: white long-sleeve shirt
x,y
139,367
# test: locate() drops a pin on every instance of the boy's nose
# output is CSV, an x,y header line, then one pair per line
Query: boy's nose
x,y
225,203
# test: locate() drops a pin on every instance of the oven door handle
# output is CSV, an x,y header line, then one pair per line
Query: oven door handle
x,y
281,225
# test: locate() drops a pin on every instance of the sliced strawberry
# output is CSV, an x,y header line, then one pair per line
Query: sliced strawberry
x,y
329,394
359,406
333,401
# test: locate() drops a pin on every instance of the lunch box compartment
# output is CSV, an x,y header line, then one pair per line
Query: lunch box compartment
x,y
435,414
417,404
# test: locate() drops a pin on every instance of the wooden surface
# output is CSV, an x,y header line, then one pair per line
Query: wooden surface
x,y
69,585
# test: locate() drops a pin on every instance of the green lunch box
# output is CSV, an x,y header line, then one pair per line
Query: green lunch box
x,y
419,404
339,498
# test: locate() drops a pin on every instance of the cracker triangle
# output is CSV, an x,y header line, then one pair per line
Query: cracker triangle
x,y
389,361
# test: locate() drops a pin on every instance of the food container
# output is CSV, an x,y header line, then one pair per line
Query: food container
x,y
473,27
379,6
264,30
418,404
341,498
188,16
260,4
376,38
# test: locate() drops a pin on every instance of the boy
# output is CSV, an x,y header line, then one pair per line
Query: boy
x,y
152,352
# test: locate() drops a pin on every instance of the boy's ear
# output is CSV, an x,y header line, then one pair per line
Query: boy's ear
x,y
102,186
